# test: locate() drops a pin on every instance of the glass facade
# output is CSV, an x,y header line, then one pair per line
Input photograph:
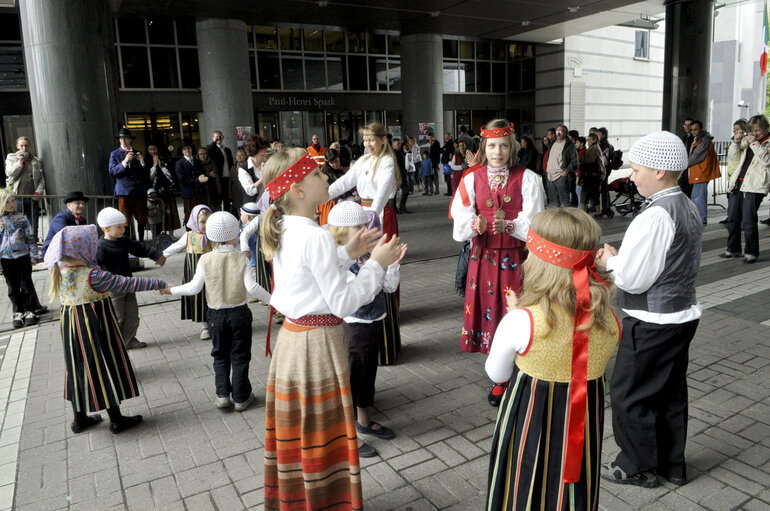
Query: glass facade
x,y
12,73
166,130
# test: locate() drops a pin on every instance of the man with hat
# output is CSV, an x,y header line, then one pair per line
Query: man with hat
x,y
131,175
73,215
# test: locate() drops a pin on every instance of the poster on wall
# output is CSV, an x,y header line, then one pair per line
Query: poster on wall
x,y
424,129
241,134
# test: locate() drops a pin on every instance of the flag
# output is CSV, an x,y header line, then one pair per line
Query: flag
x,y
765,40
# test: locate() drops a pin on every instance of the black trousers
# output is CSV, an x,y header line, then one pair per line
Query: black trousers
x,y
364,341
742,215
649,397
231,349
404,195
18,279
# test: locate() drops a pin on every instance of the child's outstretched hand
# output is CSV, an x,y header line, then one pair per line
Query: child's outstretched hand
x,y
161,261
604,254
511,301
165,291
387,253
363,241
247,254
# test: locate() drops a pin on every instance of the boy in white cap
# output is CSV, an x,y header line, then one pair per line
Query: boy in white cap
x,y
363,330
112,255
655,271
227,278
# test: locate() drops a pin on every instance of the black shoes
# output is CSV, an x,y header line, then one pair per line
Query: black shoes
x,y
496,394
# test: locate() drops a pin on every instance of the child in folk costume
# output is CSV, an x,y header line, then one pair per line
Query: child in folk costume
x,y
493,207
376,179
249,244
228,278
363,329
310,422
553,345
98,372
195,244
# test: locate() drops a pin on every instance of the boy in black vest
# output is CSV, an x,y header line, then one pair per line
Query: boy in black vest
x,y
655,271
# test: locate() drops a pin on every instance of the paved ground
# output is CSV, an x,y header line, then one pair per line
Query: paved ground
x,y
190,455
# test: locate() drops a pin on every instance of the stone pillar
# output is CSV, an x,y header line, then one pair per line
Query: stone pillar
x,y
422,90
223,58
69,57
687,62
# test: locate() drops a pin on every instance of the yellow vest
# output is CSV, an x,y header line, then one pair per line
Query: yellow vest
x,y
75,289
224,278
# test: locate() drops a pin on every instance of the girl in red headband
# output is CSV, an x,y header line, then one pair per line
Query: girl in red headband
x,y
309,418
553,345
493,206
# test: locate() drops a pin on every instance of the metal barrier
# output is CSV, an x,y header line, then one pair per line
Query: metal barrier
x,y
719,186
40,209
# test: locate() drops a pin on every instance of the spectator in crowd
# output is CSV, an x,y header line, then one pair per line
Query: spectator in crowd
x,y
417,158
73,215
237,193
459,165
580,144
250,172
317,151
426,172
687,138
704,167
470,144
573,136
162,182
560,161
223,158
409,162
132,178
447,153
401,163
607,150
24,176
748,184
193,180
738,144
592,172
332,167
527,156
435,158
156,212
211,171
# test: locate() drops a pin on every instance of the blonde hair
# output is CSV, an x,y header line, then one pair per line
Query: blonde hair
x,y
55,277
491,125
5,196
341,233
550,286
269,228
375,129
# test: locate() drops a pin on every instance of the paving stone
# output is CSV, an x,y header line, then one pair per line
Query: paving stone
x,y
227,498
726,498
197,479
424,469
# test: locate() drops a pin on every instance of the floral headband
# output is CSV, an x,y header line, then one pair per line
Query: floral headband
x,y
496,132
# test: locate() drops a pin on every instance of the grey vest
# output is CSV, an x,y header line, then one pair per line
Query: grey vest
x,y
674,290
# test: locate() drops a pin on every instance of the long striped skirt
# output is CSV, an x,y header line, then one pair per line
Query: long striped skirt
x,y
391,324
98,373
311,448
193,307
526,465
264,269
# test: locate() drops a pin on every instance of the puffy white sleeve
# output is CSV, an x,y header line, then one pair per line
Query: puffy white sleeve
x,y
385,185
249,186
462,214
392,278
532,203
513,336
247,232
642,255
254,289
176,247
347,181
343,298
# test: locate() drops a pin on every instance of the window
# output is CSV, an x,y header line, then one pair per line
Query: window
x,y
269,71
642,45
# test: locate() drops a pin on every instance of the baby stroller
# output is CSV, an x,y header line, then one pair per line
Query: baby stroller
x,y
627,199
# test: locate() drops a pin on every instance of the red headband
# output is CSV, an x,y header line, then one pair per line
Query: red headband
x,y
496,132
294,174
581,262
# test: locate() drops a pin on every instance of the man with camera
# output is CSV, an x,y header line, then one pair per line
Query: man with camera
x,y
24,174
223,158
131,175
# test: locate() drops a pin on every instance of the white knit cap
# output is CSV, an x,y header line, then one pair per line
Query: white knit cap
x,y
661,150
222,227
347,214
109,217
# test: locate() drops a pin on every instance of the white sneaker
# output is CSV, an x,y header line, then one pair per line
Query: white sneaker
x,y
30,318
239,407
223,401
205,334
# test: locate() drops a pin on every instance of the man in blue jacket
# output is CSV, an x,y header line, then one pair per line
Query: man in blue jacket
x,y
73,215
132,176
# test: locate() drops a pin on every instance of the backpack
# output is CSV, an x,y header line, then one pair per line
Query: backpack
x,y
616,159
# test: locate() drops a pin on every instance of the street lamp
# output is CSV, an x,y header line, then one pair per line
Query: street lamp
x,y
743,104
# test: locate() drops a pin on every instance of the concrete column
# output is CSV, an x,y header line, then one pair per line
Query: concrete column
x,y
223,58
687,62
68,51
422,90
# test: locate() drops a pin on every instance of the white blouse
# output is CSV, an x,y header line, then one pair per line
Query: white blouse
x,y
511,338
309,279
378,190
178,246
533,202
249,186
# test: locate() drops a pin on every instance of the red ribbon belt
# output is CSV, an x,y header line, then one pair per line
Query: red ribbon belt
x,y
581,262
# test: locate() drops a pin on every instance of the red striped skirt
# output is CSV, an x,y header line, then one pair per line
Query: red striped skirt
x,y
311,448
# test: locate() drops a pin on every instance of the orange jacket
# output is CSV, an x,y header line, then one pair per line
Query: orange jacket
x,y
318,156
708,169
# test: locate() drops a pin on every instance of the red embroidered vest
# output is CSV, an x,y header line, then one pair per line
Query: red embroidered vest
x,y
513,189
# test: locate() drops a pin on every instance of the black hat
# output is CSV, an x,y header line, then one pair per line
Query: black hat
x,y
73,196
125,132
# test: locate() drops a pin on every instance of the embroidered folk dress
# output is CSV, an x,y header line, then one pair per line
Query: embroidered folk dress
x,y
494,266
526,461
194,245
98,372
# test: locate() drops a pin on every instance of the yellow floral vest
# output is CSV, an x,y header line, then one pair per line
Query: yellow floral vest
x,y
75,288
550,356
195,243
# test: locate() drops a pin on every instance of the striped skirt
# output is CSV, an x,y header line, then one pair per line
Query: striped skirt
x,y
311,448
98,372
193,307
390,349
525,469
264,269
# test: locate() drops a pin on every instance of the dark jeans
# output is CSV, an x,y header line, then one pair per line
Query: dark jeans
x,y
231,349
648,392
31,209
428,180
18,278
404,196
742,213
410,180
364,341
558,192
448,183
